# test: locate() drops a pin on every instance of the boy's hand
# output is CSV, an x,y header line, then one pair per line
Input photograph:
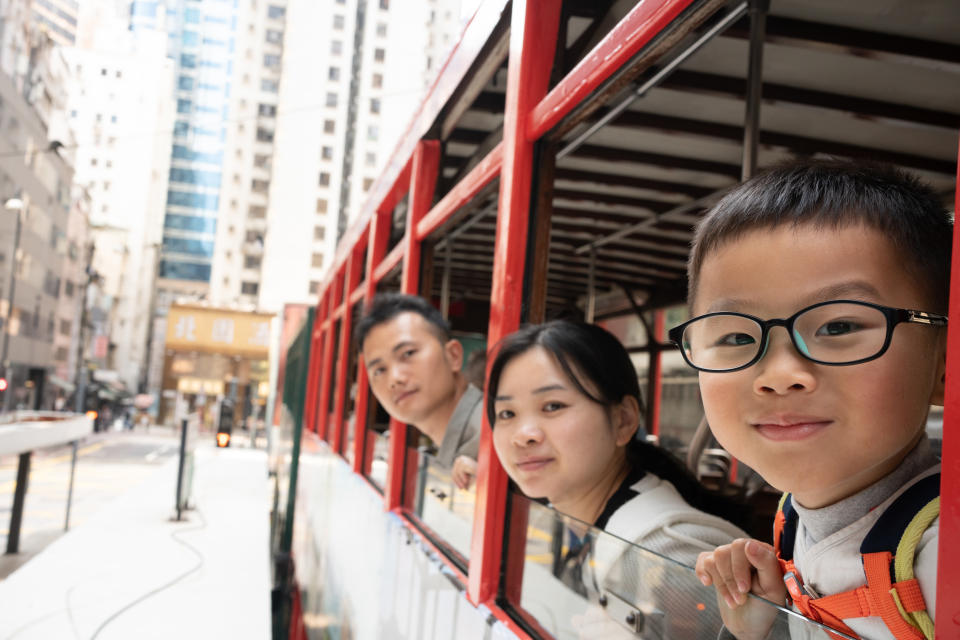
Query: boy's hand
x,y
734,570
464,471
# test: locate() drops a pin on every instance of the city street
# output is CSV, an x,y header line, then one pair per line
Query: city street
x,y
108,465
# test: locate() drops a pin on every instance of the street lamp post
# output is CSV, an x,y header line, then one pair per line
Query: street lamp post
x,y
13,204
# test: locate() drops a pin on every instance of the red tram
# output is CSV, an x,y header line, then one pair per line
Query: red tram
x,y
558,163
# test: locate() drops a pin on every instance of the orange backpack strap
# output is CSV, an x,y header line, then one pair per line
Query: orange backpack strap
x,y
878,549
882,596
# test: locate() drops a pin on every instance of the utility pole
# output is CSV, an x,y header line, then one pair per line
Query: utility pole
x,y
18,205
81,376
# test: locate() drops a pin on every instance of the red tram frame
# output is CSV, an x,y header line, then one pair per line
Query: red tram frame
x,y
530,112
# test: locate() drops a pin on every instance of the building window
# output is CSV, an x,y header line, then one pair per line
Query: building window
x,y
379,54
259,186
382,29
257,212
331,99
329,126
274,37
314,287
270,86
249,288
326,152
316,260
384,4
333,73
251,262
338,23
276,12
373,132
336,47
262,160
370,159
264,135
319,233
267,110
377,81
324,179
271,60
367,183
374,105
321,205
65,326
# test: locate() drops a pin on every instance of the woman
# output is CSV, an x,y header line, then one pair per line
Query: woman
x,y
564,403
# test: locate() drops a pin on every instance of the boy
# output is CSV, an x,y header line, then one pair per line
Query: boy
x,y
819,295
414,370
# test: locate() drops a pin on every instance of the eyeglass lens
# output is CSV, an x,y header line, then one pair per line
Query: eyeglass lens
x,y
836,333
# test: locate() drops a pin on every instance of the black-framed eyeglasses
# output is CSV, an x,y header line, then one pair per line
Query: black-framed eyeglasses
x,y
836,333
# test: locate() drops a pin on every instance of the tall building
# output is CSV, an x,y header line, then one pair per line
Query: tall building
x,y
286,112
353,76
121,107
56,18
35,203
201,40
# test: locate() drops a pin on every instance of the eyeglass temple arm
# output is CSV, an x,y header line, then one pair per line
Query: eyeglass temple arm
x,y
922,317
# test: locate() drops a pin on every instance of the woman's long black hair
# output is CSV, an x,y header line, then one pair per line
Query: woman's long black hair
x,y
589,352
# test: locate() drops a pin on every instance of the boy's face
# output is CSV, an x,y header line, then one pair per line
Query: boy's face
x,y
820,432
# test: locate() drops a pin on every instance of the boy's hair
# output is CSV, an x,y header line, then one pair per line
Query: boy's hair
x,y
832,194
386,306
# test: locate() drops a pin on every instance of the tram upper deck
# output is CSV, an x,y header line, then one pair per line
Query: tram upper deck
x,y
558,166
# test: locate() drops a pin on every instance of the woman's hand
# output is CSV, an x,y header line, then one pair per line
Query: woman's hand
x,y
741,567
464,471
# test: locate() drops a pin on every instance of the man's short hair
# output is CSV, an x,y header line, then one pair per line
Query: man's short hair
x,y
386,306
833,194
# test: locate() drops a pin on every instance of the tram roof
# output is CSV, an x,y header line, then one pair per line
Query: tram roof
x,y
865,78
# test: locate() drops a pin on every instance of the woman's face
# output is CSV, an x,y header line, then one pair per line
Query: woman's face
x,y
553,441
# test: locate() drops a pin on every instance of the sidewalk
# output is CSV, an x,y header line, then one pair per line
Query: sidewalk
x,y
132,572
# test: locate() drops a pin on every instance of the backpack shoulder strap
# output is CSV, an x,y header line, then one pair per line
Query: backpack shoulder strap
x,y
889,551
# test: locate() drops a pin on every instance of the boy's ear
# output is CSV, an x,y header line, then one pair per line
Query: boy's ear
x,y
454,351
940,384
626,420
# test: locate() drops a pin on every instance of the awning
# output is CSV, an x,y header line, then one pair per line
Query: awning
x,y
60,382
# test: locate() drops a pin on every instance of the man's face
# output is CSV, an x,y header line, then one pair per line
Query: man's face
x,y
821,432
411,372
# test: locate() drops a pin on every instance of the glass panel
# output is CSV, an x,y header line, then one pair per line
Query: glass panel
x,y
581,582
440,505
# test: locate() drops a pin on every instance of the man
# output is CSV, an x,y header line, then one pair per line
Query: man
x,y
414,368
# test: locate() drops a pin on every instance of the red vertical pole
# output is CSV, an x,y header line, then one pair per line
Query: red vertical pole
x,y
533,36
313,372
948,564
350,281
333,299
423,180
656,375
379,235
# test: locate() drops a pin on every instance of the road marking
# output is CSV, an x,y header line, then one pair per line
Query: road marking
x,y
47,463
153,455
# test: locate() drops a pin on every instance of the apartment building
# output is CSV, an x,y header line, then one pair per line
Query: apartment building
x,y
353,73
122,109
35,202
